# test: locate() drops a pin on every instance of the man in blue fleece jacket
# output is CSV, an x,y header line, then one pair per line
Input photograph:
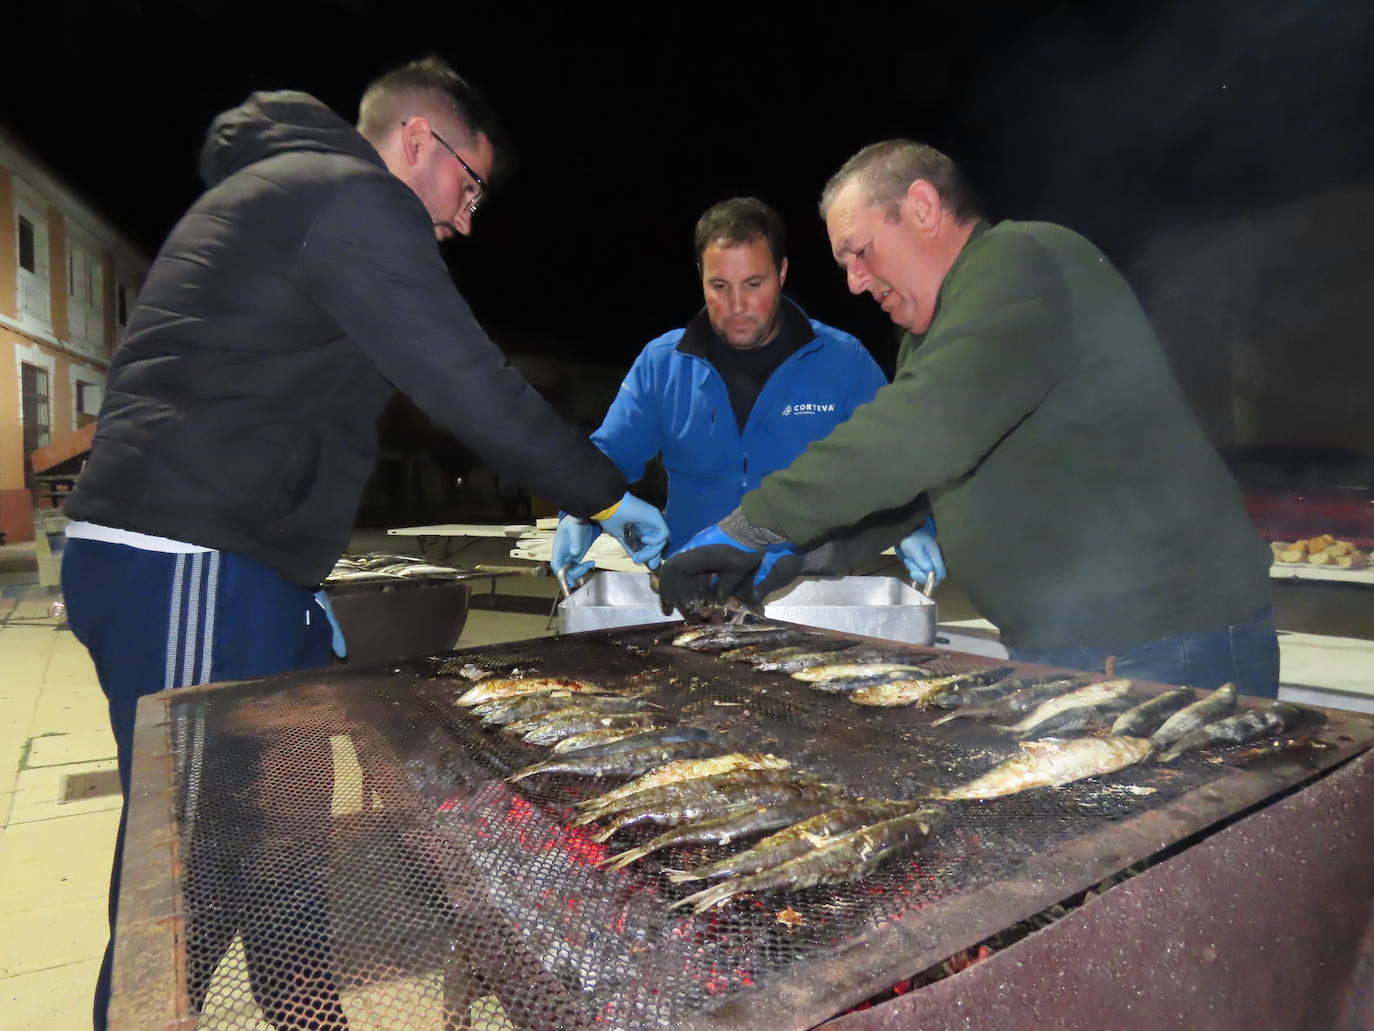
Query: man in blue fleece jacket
x,y
737,393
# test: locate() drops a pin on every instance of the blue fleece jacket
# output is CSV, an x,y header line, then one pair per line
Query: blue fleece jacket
x,y
674,401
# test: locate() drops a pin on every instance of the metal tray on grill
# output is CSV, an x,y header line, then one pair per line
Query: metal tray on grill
x,y
873,606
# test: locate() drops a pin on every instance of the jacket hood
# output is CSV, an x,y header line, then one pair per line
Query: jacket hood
x,y
273,123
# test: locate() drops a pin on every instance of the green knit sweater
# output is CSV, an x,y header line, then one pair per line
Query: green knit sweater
x,y
1077,500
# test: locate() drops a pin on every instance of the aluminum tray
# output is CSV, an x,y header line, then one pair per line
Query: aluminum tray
x,y
874,606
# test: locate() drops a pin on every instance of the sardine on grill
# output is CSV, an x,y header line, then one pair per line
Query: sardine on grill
x,y
571,708
1052,764
688,769
1145,718
688,788
703,805
606,735
500,711
960,696
793,657
1020,701
1051,715
626,763
552,731
921,690
509,687
1208,710
1272,719
736,636
799,839
649,739
846,858
730,826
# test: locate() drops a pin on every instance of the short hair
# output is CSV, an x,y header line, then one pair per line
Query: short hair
x,y
885,170
427,84
738,221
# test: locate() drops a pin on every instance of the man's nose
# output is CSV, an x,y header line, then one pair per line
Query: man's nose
x,y
857,279
737,303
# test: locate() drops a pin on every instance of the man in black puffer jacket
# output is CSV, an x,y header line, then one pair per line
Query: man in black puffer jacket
x,y
238,428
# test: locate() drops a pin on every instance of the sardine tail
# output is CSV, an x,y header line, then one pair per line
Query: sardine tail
x,y
705,899
625,858
608,833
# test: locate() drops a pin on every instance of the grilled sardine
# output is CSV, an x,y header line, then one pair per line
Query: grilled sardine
x,y
688,769
648,739
553,731
1208,710
846,858
793,657
569,711
733,636
500,711
623,764
1052,764
798,839
1050,714
1145,718
486,690
920,690
730,826
688,788
960,695
587,739
1274,718
850,670
708,804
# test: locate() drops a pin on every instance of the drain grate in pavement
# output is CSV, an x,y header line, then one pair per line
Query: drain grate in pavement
x,y
79,786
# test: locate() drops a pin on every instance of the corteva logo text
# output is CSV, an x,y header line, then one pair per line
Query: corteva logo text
x,y
807,409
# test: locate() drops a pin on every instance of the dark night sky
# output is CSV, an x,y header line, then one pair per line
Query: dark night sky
x,y
1124,125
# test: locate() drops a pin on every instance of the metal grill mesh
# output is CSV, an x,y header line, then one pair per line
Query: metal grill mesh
x,y
353,856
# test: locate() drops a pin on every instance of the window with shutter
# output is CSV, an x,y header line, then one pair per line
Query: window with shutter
x,y
33,290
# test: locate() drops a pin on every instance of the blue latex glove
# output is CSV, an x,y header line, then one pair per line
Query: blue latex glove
x,y
337,641
640,529
571,542
920,553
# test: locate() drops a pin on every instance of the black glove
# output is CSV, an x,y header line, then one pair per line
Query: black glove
x,y
706,571
776,571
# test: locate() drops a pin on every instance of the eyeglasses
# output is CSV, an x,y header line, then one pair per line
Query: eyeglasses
x,y
481,184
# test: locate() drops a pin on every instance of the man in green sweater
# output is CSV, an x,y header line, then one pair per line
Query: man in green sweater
x,y
1078,501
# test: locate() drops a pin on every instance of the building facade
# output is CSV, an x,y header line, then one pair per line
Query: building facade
x,y
67,283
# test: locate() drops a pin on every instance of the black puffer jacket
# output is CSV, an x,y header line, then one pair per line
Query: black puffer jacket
x,y
296,295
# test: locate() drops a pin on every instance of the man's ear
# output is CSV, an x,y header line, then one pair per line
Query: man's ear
x,y
782,272
922,207
413,135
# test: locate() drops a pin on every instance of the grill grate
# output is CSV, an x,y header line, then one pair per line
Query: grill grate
x,y
353,856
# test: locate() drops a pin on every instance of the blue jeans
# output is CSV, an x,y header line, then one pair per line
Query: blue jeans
x,y
152,621
1245,654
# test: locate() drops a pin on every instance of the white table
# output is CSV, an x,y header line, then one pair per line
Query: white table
x,y
1327,574
532,543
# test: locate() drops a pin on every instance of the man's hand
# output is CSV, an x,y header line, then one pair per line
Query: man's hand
x,y
717,563
640,529
920,553
776,571
571,542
